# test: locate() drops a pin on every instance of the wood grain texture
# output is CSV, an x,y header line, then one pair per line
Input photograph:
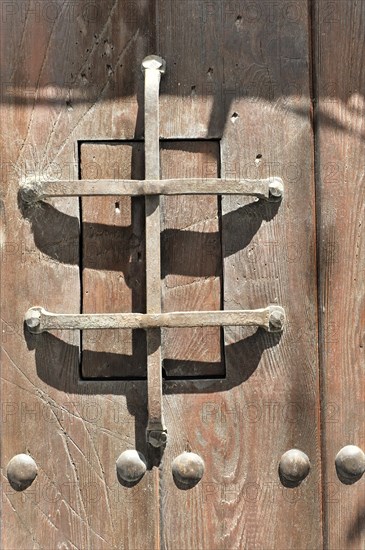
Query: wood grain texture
x,y
233,73
61,70
191,261
269,400
340,133
113,262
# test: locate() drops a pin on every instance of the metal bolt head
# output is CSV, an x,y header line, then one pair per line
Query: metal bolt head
x,y
154,62
276,188
33,319
29,193
294,466
276,320
350,464
131,466
21,471
157,438
188,469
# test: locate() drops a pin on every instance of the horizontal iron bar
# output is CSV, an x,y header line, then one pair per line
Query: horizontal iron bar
x,y
271,318
269,188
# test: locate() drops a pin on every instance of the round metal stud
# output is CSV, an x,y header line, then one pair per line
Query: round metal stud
x,y
276,188
294,466
188,469
29,192
21,471
131,466
33,319
350,464
276,320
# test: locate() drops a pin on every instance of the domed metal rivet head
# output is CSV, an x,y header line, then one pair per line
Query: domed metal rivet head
x,y
188,469
276,319
33,319
21,471
350,464
294,466
30,192
276,189
131,466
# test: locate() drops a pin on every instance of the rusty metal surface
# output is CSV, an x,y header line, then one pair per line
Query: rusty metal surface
x,y
39,320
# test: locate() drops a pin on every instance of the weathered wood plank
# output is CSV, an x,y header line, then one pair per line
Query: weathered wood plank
x,y
113,262
340,131
57,94
269,400
191,261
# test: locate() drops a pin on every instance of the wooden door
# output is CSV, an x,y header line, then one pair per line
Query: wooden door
x,y
236,102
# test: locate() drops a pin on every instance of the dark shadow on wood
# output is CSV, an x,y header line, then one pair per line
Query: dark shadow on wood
x,y
54,370
56,234
50,352
122,249
347,480
356,529
287,483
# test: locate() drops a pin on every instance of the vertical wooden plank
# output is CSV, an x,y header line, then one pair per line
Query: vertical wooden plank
x,y
113,261
72,73
191,261
190,106
339,49
268,402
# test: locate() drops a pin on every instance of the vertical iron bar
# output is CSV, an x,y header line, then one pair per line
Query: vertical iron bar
x,y
153,67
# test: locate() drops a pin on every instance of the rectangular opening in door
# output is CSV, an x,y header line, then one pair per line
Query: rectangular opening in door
x,y
112,262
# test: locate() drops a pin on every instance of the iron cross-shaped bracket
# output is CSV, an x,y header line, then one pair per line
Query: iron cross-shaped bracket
x,y
38,320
